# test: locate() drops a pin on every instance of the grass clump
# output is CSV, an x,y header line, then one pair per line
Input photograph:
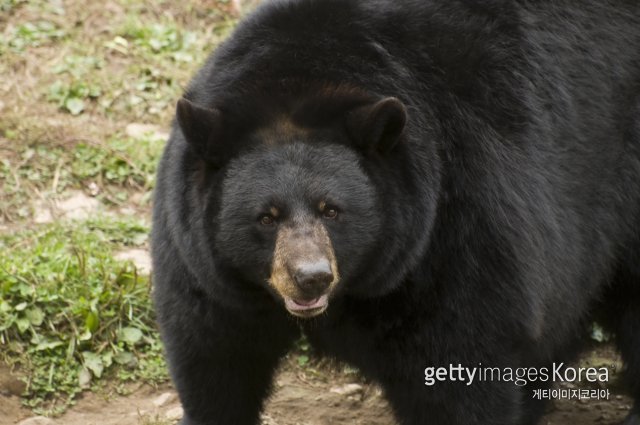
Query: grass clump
x,y
124,162
76,76
70,313
34,34
45,165
161,38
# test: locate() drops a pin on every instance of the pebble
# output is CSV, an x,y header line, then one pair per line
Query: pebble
x,y
37,420
139,257
77,206
174,414
267,420
240,6
142,131
347,389
164,399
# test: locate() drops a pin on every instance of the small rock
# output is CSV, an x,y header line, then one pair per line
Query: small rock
x,y
139,257
127,211
347,389
145,131
138,198
174,414
42,215
78,207
84,379
93,189
164,399
267,420
37,420
356,398
241,6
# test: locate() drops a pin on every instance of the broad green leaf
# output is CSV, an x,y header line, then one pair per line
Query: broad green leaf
x,y
107,358
74,105
303,360
92,321
84,378
35,316
48,345
4,306
85,336
125,358
130,335
93,362
23,324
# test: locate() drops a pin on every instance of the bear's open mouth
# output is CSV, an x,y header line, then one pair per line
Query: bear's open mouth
x,y
306,308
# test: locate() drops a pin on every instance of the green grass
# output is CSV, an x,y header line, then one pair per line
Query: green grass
x,y
75,75
70,313
41,164
68,83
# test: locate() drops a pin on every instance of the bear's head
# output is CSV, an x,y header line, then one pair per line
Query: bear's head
x,y
296,209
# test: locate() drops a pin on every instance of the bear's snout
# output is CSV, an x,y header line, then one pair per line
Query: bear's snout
x,y
314,278
304,270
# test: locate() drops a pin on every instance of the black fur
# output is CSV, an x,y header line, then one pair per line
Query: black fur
x,y
505,218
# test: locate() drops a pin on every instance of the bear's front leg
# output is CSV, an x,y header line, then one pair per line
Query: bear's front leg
x,y
447,375
222,359
436,368
455,403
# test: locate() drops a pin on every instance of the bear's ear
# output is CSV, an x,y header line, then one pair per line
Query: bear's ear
x,y
377,126
202,129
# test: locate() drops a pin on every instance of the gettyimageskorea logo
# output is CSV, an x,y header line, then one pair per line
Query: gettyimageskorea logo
x,y
521,376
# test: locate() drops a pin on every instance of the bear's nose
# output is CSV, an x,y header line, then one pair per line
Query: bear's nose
x,y
314,278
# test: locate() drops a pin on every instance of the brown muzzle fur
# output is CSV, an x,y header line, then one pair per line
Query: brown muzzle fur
x,y
304,264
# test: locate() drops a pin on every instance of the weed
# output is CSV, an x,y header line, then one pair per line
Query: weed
x,y
70,313
72,97
75,74
114,167
160,38
7,6
122,161
33,34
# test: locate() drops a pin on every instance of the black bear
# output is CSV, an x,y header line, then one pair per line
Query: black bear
x,y
424,188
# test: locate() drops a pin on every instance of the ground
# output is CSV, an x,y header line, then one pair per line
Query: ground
x,y
86,97
312,394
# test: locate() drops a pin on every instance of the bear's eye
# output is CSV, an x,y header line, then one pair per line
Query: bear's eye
x,y
267,220
330,213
